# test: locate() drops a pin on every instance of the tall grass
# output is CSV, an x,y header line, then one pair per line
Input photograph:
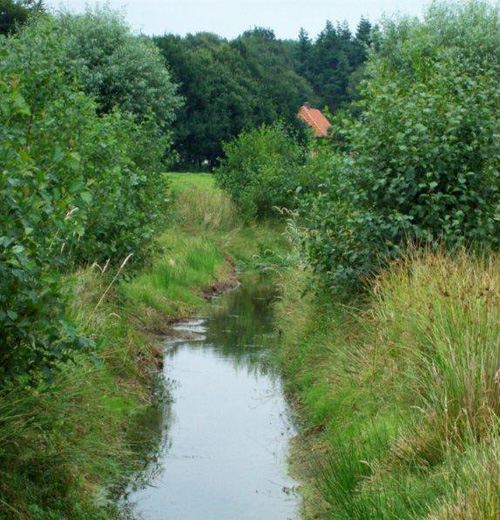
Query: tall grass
x,y
441,317
176,284
404,390
64,442
198,204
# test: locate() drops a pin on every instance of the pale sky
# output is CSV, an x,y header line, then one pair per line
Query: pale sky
x,y
231,17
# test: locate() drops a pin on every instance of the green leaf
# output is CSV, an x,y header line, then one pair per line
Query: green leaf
x,y
12,315
86,196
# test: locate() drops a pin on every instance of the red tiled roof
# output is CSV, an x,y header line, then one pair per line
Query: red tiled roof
x,y
315,119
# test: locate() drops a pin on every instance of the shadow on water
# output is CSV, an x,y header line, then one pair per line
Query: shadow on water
x,y
240,326
220,441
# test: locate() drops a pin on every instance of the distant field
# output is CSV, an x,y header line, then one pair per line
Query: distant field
x,y
183,181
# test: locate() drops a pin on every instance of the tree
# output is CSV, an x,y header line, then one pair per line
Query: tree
x,y
303,53
364,31
220,95
273,65
330,65
77,186
14,13
118,68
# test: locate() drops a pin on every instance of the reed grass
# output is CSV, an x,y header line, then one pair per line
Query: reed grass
x,y
402,391
198,204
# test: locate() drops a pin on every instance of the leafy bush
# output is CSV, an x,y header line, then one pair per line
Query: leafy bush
x,y
118,68
41,186
75,188
262,170
422,162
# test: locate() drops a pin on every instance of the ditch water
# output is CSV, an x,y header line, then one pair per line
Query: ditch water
x,y
225,427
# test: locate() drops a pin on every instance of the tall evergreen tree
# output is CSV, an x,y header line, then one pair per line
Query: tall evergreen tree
x,y
331,62
362,41
303,53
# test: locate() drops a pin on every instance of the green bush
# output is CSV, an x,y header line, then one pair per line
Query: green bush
x,y
262,170
43,197
421,164
118,68
75,188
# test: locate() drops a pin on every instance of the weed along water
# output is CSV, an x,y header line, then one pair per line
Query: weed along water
x,y
226,425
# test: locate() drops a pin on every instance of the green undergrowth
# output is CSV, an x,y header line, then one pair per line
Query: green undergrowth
x,y
67,443
202,253
399,393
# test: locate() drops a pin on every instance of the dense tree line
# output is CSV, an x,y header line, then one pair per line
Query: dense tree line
x,y
255,79
230,86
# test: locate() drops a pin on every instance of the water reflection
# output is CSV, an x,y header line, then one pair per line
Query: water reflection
x,y
241,325
150,439
224,440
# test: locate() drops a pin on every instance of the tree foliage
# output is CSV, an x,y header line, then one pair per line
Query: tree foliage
x,y
230,86
421,163
76,187
238,85
262,170
118,68
331,62
15,13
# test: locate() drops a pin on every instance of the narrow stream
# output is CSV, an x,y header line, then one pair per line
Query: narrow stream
x,y
225,428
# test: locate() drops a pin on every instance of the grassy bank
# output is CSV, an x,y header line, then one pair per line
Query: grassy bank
x,y
399,394
66,443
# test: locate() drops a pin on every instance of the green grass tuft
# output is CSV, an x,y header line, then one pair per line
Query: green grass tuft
x,y
402,393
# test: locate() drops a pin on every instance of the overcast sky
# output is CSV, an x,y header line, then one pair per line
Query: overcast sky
x,y
231,17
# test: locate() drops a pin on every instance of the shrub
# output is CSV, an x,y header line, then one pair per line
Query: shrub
x,y
118,68
421,164
262,170
75,188
42,189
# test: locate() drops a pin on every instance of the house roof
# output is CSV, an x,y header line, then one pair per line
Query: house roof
x,y
315,119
